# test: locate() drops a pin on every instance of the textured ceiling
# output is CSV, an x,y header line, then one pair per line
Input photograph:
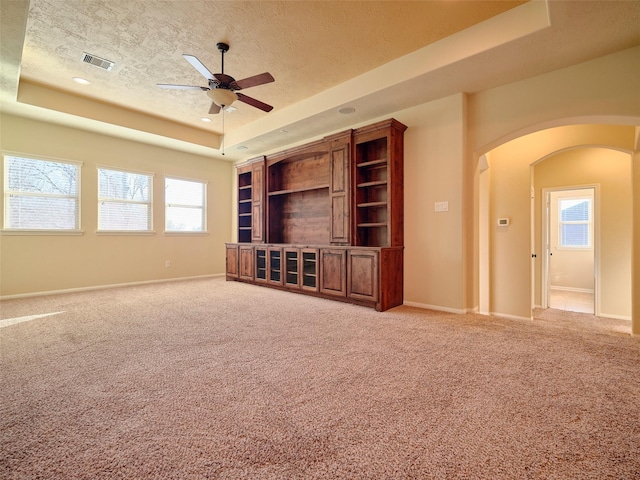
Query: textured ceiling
x,y
311,48
307,46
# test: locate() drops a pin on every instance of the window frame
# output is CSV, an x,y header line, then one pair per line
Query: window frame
x,y
588,222
151,175
205,185
77,230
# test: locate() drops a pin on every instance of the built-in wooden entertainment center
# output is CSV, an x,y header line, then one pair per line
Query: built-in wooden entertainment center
x,y
326,218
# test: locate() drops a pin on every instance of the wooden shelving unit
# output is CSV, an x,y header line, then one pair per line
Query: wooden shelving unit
x,y
326,218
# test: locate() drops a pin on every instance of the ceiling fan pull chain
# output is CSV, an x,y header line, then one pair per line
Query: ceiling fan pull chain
x,y
223,130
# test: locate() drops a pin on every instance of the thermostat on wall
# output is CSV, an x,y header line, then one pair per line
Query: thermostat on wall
x,y
503,222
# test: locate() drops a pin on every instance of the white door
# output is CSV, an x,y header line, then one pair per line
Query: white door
x,y
569,267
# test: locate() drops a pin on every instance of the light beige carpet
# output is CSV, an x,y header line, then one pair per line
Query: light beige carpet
x,y
214,379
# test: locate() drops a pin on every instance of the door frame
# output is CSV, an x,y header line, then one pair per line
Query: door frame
x,y
545,280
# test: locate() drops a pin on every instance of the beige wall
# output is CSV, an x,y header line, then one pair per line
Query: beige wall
x,y
610,171
41,263
434,244
510,187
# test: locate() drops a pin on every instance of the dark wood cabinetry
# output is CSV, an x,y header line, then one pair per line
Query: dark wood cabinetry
x,y
378,185
333,272
251,201
326,218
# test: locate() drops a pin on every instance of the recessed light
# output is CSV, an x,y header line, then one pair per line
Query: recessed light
x,y
242,147
81,81
283,131
205,119
346,110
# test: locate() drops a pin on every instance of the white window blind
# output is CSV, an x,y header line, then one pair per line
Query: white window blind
x,y
41,194
185,205
575,222
124,200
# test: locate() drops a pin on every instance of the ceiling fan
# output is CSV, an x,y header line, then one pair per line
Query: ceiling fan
x,y
222,88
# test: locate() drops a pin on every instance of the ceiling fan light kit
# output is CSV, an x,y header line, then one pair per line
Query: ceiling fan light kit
x,y
222,97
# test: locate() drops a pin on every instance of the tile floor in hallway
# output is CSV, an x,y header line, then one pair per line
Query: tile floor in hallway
x,y
572,301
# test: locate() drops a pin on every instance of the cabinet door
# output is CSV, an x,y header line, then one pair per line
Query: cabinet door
x,y
261,264
363,274
246,263
333,272
309,269
232,261
340,193
274,264
291,267
257,207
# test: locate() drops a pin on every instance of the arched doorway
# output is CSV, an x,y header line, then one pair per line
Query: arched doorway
x,y
509,260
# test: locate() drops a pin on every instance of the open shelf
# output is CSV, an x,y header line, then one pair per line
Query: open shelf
x,y
381,162
372,204
372,184
297,190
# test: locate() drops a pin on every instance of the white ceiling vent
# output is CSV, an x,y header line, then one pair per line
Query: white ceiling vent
x,y
97,61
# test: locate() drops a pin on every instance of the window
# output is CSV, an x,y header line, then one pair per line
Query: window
x,y
185,205
575,216
124,201
41,194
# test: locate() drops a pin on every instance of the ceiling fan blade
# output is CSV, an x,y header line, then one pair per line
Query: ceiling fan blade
x,y
198,65
254,103
181,87
214,109
254,81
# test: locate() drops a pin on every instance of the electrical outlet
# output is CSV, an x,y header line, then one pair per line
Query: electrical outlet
x,y
167,263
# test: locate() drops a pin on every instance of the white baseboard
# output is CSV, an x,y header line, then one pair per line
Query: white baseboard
x,y
440,308
434,307
572,289
511,317
616,317
101,287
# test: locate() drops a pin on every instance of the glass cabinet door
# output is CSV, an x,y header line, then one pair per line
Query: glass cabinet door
x,y
292,264
261,264
275,265
310,269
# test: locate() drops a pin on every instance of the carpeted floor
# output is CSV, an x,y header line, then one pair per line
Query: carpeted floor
x,y
214,379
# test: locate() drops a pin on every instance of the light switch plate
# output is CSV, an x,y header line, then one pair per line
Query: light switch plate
x,y
442,206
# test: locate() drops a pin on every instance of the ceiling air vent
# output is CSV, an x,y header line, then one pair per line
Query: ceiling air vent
x,y
97,61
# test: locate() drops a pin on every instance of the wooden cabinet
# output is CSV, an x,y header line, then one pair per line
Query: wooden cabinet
x,y
339,188
291,267
260,264
362,274
257,202
309,269
245,193
333,278
275,265
232,261
326,218
246,262
378,185
251,201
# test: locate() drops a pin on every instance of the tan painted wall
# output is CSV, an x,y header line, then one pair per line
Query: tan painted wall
x,y
510,187
434,158
41,263
610,170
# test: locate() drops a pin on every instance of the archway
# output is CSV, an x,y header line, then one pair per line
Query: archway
x,y
506,270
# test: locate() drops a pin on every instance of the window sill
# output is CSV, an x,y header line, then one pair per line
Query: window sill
x,y
18,232
125,232
182,234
